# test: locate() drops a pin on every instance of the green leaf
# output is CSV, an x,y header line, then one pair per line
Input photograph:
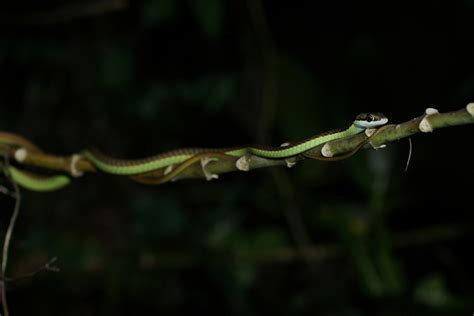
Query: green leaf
x,y
209,15
117,67
156,12
298,92
432,291
157,216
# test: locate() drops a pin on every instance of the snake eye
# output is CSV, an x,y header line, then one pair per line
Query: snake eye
x,y
370,118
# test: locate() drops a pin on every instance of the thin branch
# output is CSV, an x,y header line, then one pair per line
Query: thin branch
x,y
389,134
8,236
48,266
410,150
316,254
291,210
423,124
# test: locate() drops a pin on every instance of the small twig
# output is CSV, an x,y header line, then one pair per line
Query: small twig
x,y
293,215
409,153
4,190
317,254
48,266
269,75
291,211
8,235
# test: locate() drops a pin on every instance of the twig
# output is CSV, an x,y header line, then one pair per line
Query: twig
x,y
48,266
286,255
269,80
8,236
410,149
291,211
426,123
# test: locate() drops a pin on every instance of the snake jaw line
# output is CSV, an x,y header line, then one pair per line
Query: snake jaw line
x,y
470,108
21,154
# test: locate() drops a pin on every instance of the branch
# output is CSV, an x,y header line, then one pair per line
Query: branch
x,y
322,253
7,240
425,123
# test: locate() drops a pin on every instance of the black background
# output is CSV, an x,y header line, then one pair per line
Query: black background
x,y
163,74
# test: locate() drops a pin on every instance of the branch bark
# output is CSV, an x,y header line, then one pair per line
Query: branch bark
x,y
425,123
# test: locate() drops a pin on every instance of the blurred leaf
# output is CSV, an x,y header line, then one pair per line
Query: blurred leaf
x,y
299,100
4,120
156,12
32,50
432,291
263,239
363,49
157,216
267,238
213,92
209,15
149,102
117,67
387,263
220,91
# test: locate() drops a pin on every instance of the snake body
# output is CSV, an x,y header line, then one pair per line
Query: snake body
x,y
38,183
137,166
171,158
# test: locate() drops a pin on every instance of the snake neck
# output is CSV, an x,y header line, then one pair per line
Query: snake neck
x,y
353,130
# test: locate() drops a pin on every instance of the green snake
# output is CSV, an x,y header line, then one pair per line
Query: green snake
x,y
136,167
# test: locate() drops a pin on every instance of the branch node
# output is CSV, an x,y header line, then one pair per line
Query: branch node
x,y
431,111
4,190
370,131
326,151
20,154
168,170
378,147
425,125
204,162
73,166
470,108
243,163
291,162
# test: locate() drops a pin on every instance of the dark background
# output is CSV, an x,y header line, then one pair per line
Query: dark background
x,y
358,237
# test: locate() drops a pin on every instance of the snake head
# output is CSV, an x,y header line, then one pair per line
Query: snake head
x,y
370,120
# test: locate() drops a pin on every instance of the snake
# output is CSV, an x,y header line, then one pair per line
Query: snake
x,y
174,158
